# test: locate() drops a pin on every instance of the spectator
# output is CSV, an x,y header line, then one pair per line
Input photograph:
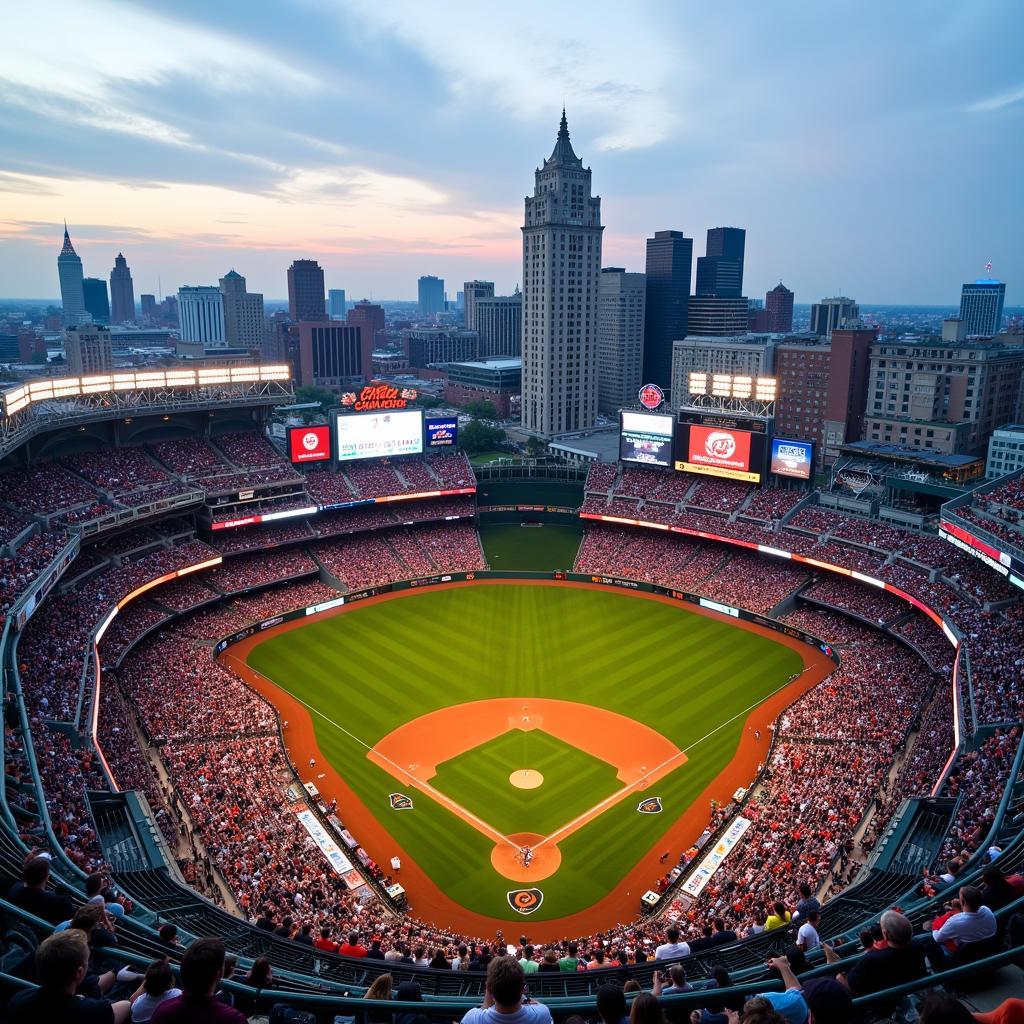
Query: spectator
x,y
202,967
61,962
899,961
807,935
549,962
32,895
410,992
972,930
672,948
677,981
504,1001
646,1010
807,902
778,918
353,947
611,1005
571,960
379,989
328,945
528,964
156,988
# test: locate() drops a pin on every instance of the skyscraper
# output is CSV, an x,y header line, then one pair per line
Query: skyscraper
x,y
778,307
471,291
88,350
430,295
370,317
148,304
621,298
336,303
829,314
122,292
561,271
981,306
669,267
201,315
243,312
306,291
499,322
69,271
720,272
94,293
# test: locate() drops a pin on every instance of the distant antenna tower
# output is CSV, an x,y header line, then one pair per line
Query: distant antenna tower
x,y
159,290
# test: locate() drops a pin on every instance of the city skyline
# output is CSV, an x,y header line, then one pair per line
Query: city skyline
x,y
199,140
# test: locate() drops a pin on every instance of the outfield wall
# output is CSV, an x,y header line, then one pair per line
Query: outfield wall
x,y
639,586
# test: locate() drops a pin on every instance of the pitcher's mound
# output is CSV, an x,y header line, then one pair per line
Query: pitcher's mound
x,y
506,858
526,778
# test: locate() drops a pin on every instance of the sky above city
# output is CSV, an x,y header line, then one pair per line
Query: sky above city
x,y
869,148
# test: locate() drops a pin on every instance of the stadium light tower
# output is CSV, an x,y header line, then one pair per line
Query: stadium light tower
x,y
731,393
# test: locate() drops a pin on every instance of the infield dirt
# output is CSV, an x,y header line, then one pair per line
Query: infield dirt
x,y
427,900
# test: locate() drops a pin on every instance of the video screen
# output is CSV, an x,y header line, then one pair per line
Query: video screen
x,y
309,444
721,451
792,458
646,438
442,433
378,435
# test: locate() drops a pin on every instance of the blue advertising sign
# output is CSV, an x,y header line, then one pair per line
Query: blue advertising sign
x,y
442,433
792,458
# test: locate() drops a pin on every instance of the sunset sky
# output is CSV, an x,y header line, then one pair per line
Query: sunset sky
x,y
871,148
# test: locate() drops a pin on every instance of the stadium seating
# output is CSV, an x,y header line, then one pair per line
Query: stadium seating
x,y
832,767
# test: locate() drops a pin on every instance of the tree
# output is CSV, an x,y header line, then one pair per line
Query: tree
x,y
308,393
426,401
476,436
535,446
481,409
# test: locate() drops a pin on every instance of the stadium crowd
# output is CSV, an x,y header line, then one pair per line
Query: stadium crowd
x,y
827,773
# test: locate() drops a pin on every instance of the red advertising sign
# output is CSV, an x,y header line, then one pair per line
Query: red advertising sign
x,y
651,396
378,396
719,451
309,444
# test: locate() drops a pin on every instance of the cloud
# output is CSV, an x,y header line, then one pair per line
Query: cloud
x,y
610,67
998,102
79,63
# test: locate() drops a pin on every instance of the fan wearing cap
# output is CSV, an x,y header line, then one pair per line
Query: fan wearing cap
x,y
822,999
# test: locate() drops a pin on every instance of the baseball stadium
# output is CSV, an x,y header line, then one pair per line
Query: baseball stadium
x,y
347,702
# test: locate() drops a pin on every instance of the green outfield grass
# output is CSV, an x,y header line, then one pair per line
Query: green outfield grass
x,y
374,667
573,781
533,548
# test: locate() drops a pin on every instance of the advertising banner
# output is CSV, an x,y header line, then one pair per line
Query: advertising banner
x,y
695,884
309,444
442,433
792,458
646,438
379,435
330,849
719,451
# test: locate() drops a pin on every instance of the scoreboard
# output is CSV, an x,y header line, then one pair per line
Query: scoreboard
x,y
718,444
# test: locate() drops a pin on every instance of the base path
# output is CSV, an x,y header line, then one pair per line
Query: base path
x,y
428,902
640,755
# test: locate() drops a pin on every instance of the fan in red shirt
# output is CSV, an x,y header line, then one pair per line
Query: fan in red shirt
x,y
326,943
352,946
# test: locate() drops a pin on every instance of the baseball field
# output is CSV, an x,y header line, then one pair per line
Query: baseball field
x,y
475,721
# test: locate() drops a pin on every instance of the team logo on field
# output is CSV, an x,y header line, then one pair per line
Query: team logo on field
x,y
652,805
525,901
400,802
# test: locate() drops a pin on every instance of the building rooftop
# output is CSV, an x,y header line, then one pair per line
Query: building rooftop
x,y
902,453
492,364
